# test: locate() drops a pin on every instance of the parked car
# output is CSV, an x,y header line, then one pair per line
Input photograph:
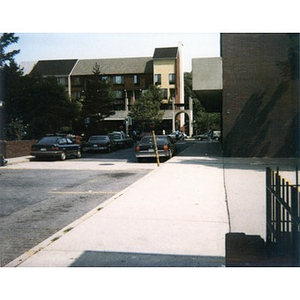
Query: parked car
x,y
145,148
204,136
55,146
177,135
3,161
120,139
99,143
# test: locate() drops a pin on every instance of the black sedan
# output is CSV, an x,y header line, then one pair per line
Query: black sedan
x,y
55,146
146,149
204,136
99,143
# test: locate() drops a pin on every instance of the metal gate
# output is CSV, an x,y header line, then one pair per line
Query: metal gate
x,y
283,217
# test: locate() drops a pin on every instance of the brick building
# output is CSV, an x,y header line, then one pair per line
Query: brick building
x,y
260,105
255,86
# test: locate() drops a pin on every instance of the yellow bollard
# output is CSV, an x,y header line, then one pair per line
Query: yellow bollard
x,y
155,148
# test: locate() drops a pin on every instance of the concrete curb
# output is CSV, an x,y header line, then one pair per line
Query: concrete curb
x,y
17,160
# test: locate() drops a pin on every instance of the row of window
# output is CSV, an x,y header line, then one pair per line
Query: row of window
x,y
157,79
120,94
118,79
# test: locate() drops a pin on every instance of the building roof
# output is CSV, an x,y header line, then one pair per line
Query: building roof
x,y
54,67
110,66
165,53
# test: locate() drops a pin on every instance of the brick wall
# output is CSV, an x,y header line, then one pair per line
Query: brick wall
x,y
16,148
260,97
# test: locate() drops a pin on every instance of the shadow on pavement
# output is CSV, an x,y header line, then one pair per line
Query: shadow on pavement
x,y
203,148
211,154
125,259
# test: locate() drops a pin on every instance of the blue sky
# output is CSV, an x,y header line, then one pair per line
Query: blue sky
x,y
40,46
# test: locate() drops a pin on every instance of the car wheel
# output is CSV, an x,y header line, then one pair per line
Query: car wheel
x,y
63,156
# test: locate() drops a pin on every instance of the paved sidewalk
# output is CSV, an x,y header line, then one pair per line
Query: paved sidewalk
x,y
177,215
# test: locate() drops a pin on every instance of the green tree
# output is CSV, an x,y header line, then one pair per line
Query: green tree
x,y
48,107
146,110
99,100
10,74
188,86
15,102
7,39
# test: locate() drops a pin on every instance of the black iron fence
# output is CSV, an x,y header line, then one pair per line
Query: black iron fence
x,y
283,217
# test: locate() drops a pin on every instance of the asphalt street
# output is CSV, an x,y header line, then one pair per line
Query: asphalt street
x,y
38,198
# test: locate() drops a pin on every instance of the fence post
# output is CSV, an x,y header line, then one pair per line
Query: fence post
x,y
295,225
268,209
278,214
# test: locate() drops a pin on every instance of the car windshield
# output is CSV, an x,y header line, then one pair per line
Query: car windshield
x,y
97,138
49,140
149,140
115,136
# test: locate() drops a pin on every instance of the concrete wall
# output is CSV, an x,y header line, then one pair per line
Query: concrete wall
x,y
207,73
260,95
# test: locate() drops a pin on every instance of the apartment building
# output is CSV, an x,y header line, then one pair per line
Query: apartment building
x,y
130,77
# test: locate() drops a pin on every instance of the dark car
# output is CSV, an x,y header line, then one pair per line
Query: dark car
x,y
55,146
145,148
99,143
177,135
204,136
120,140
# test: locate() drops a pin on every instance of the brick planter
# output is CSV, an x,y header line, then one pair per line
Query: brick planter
x,y
12,149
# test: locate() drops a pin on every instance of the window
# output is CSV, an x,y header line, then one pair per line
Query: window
x,y
157,79
62,141
105,78
172,93
118,79
136,80
76,81
172,78
76,95
164,93
119,94
63,81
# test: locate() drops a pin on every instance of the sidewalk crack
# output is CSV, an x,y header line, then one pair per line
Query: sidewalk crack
x,y
226,196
